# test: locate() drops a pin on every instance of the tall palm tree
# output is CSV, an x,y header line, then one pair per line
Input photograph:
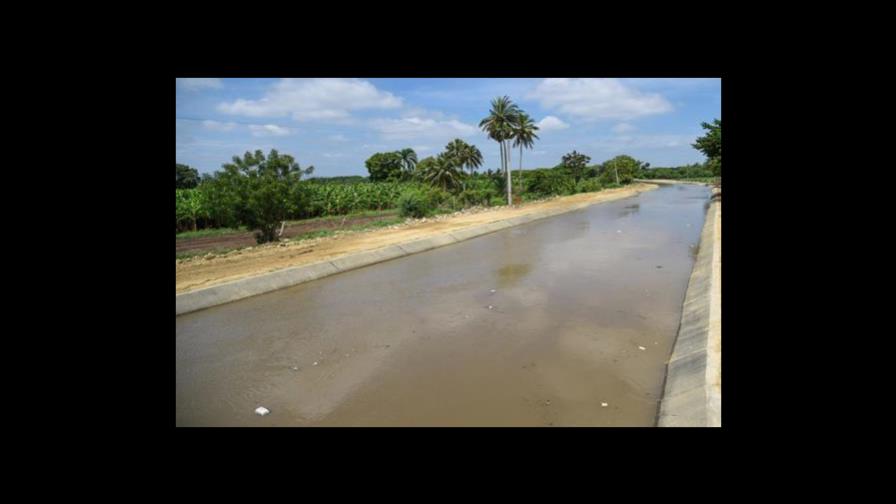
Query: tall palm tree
x,y
408,160
443,172
499,126
524,136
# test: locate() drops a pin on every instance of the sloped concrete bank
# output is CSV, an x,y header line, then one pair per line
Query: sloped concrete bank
x,y
692,395
239,289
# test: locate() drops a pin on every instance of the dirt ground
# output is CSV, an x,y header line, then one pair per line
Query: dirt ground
x,y
247,239
204,271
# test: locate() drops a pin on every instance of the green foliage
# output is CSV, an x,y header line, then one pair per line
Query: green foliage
x,y
339,199
549,182
575,164
189,208
695,170
415,203
621,169
186,178
385,166
444,172
588,185
265,190
464,154
497,201
711,146
352,179
479,191
711,143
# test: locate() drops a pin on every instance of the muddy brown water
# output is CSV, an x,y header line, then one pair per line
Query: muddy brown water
x,y
536,325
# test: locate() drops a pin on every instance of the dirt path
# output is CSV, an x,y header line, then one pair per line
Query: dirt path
x,y
202,272
247,239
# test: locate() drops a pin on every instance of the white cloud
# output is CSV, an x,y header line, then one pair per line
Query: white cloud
x,y
338,138
310,99
334,155
623,128
218,126
260,130
551,123
194,84
618,143
416,127
595,99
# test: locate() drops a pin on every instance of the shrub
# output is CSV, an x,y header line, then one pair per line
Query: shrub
x,y
415,203
497,201
588,185
550,182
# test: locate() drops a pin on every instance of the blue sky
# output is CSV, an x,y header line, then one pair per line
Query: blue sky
x,y
336,124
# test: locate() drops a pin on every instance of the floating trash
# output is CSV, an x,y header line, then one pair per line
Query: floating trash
x,y
262,411
315,363
604,405
641,348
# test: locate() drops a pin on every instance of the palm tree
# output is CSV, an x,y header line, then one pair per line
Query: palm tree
x,y
499,126
524,136
466,155
408,160
443,172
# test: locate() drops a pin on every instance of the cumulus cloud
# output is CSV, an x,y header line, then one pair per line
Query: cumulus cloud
x,y
218,126
623,142
596,99
551,123
623,128
417,127
314,99
261,130
193,84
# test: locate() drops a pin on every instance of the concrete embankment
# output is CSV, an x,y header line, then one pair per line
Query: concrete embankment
x,y
243,288
692,394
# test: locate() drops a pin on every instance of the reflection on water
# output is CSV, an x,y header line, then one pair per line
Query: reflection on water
x,y
540,324
629,210
509,275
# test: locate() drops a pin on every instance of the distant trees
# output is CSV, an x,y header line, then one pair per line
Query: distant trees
x,y
186,178
710,145
392,166
620,170
384,166
575,163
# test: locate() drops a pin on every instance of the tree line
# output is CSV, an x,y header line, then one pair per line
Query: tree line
x,y
261,191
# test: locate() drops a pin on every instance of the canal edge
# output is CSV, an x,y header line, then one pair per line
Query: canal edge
x,y
692,395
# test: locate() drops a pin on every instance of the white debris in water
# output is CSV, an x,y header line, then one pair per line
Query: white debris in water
x,y
262,411
492,291
490,307
641,348
604,405
618,230
315,363
295,368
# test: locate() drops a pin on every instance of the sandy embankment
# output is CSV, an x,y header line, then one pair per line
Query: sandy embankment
x,y
206,271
